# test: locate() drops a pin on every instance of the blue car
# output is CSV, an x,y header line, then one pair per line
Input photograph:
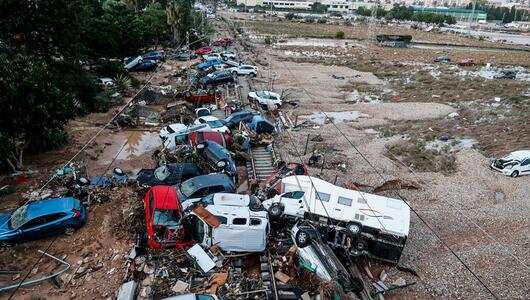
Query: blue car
x,y
209,63
235,118
40,219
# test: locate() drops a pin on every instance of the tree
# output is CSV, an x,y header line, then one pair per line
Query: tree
x,y
154,18
319,8
179,17
34,107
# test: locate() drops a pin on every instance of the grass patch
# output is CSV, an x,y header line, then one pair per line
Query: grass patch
x,y
414,154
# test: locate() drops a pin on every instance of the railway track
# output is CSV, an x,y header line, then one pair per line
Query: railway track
x,y
261,163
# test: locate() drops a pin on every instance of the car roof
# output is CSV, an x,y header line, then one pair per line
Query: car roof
x,y
520,154
208,118
229,199
236,212
182,297
165,197
50,206
212,179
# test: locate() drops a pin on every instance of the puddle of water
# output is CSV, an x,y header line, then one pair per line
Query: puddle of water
x,y
319,118
139,143
499,197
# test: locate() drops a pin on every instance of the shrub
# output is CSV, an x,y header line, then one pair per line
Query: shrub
x,y
339,35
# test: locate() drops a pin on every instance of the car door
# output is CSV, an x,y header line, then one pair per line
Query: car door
x,y
31,230
54,224
292,202
525,167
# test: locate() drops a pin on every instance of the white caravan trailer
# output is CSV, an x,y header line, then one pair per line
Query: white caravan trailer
x,y
371,223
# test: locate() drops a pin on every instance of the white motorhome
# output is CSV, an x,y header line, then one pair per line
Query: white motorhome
x,y
373,223
235,228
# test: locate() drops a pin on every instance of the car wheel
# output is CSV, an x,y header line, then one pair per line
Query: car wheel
x,y
256,207
361,245
302,238
234,74
514,174
253,74
187,94
69,230
354,229
278,106
201,147
276,210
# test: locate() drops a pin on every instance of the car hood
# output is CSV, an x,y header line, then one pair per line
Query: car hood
x,y
4,223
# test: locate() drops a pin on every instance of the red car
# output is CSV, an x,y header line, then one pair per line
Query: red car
x,y
223,42
273,182
201,96
203,50
468,62
163,217
221,138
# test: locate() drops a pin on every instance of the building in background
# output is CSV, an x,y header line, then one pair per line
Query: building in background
x,y
460,14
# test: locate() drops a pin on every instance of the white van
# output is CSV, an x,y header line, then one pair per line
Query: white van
x,y
373,223
240,229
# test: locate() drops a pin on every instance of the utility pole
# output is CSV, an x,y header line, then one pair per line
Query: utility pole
x,y
471,18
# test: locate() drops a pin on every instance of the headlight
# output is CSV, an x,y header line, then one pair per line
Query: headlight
x,y
509,167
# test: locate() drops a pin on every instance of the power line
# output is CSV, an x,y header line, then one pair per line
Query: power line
x,y
402,198
93,137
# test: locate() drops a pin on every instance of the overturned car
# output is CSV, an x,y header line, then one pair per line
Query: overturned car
x,y
364,224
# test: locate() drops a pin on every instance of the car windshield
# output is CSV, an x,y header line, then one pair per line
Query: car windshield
x,y
170,130
260,93
215,124
19,217
166,217
188,187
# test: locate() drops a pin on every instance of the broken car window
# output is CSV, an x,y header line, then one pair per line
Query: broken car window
x,y
19,217
166,217
188,187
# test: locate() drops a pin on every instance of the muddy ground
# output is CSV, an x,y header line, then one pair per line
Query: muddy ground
x,y
386,97
393,105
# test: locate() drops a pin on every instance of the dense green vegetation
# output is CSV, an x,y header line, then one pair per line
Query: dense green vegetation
x,y
400,12
45,48
505,14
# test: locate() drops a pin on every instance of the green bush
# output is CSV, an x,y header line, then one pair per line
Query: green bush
x,y
289,16
339,35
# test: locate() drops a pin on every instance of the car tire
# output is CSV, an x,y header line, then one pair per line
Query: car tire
x,y
234,74
256,207
276,210
514,174
302,238
354,229
278,106
69,230
253,74
361,245
187,94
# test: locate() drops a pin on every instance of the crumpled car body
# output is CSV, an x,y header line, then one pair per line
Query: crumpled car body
x,y
315,252
218,158
163,219
175,174
515,164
